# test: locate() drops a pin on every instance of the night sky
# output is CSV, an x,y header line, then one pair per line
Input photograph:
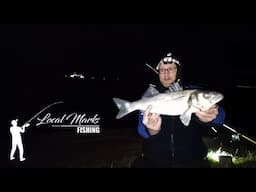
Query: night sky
x,y
216,54
36,57
121,49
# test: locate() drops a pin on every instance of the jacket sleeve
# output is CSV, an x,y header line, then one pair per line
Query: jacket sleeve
x,y
142,130
220,119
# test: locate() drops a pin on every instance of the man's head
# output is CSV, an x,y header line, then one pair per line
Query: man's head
x,y
168,69
14,122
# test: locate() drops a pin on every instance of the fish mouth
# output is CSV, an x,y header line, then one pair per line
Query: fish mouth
x,y
217,98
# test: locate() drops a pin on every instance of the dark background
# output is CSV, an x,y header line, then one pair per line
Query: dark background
x,y
36,57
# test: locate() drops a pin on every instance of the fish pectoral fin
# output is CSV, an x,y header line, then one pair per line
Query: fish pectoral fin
x,y
186,117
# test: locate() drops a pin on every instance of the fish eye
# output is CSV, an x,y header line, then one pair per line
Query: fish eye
x,y
207,96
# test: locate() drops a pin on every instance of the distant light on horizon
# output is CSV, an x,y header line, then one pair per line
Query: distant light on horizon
x,y
246,86
93,76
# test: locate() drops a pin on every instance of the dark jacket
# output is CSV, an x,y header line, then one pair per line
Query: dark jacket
x,y
177,145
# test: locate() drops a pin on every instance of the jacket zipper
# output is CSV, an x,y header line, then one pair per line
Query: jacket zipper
x,y
172,146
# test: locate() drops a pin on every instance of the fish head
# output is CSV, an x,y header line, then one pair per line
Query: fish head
x,y
206,99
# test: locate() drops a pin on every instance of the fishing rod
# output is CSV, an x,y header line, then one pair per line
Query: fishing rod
x,y
152,68
239,134
48,106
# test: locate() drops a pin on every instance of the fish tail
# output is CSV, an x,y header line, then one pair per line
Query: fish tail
x,y
123,106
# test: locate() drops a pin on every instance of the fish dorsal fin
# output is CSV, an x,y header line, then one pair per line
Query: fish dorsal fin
x,y
151,91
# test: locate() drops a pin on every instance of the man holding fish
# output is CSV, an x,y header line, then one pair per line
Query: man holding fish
x,y
173,119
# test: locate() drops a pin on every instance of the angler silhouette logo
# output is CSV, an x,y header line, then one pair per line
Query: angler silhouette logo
x,y
16,138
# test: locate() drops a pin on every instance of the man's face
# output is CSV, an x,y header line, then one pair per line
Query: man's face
x,y
167,74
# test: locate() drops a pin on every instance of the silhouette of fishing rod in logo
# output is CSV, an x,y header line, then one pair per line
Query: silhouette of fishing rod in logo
x,y
16,131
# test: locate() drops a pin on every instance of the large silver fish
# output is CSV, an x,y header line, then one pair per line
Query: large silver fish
x,y
182,103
